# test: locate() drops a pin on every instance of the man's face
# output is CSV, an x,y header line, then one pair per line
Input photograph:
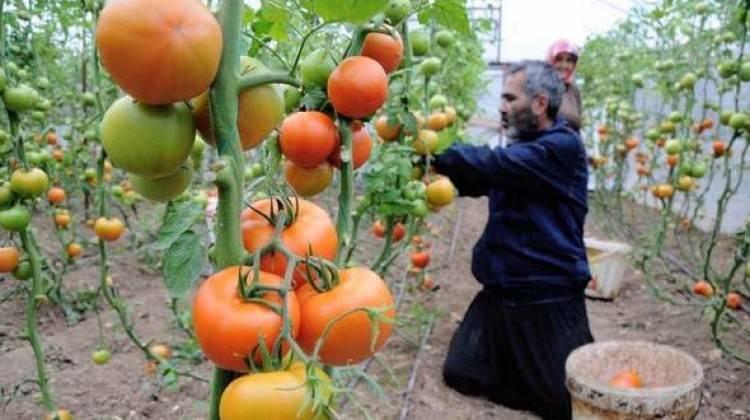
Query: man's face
x,y
520,113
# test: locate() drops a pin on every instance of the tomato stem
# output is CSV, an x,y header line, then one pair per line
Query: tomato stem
x,y
264,79
346,194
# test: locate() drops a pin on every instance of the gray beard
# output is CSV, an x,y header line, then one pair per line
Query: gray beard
x,y
522,126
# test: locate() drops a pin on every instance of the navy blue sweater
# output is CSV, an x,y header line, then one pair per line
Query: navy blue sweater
x,y
532,246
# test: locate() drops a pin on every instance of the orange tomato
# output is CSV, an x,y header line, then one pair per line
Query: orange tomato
x,y
62,219
228,328
632,143
734,300
73,249
385,131
52,138
626,379
179,67
673,160
437,121
385,49
349,339
56,195
312,230
308,182
361,147
307,138
358,87
719,148
8,259
108,229
703,288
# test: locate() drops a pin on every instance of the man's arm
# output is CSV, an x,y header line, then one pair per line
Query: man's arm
x,y
546,164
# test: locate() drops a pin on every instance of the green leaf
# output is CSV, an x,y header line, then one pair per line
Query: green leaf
x,y
352,11
314,97
180,216
448,13
183,263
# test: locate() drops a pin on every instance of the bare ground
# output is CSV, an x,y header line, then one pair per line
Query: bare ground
x,y
412,385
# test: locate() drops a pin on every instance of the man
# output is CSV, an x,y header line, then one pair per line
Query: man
x,y
512,344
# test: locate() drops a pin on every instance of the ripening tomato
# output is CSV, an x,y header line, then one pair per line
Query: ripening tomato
x,y
159,52
308,182
108,229
261,109
734,300
358,87
149,141
312,230
420,259
73,249
451,114
62,219
427,142
378,229
8,259
626,379
399,231
703,288
349,341
56,195
361,147
162,351
29,183
719,148
228,328
385,49
274,395
385,131
437,121
440,192
632,143
307,138
59,415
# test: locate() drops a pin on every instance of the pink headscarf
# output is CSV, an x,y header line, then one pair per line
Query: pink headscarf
x,y
559,47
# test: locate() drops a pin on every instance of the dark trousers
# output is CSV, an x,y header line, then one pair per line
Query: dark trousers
x,y
514,353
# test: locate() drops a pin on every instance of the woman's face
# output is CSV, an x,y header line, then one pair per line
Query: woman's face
x,y
565,63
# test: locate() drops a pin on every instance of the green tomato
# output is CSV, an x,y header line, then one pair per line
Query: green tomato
x,y
745,71
42,83
23,74
420,43
653,134
20,98
89,173
38,116
90,134
6,194
702,8
698,169
117,191
725,116
419,208
739,121
43,104
148,141
445,38
31,183
35,158
688,81
397,10
430,66
166,188
438,101
291,98
316,67
88,99
257,169
675,117
673,147
12,67
249,173
23,270
101,356
4,137
727,69
15,219
729,37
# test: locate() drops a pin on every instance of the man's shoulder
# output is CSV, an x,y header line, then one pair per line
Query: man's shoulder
x,y
562,137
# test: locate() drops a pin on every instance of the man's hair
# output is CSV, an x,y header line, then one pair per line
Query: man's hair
x,y
541,78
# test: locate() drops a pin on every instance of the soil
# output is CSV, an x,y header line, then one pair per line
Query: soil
x,y
411,387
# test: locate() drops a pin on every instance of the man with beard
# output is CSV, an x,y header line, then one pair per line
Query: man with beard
x,y
530,315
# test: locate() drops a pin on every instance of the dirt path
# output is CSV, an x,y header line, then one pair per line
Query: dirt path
x,y
121,389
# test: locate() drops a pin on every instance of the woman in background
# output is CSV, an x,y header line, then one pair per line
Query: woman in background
x,y
563,56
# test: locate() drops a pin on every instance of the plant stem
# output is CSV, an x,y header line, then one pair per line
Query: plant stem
x,y
346,195
224,108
